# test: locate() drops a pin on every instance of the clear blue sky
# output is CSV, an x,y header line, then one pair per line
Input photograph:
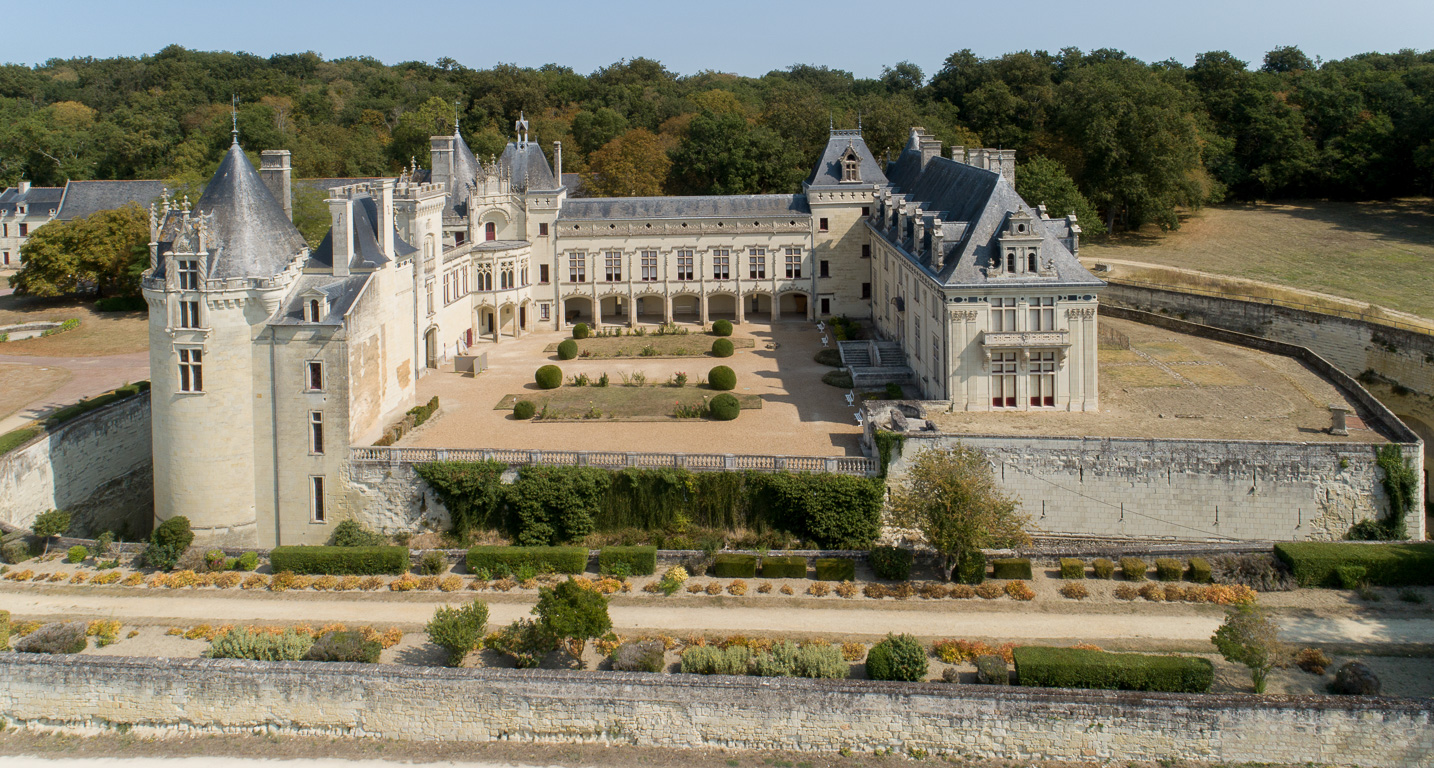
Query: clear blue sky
x,y
747,37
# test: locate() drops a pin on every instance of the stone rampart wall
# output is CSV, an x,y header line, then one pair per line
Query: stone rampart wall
x,y
99,467
186,696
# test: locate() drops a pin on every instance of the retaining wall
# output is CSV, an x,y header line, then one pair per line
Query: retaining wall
x,y
172,696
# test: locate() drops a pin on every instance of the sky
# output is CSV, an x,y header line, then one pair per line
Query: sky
x,y
746,37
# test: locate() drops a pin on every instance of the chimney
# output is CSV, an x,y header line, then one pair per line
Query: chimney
x,y
24,186
558,160
385,217
938,238
441,152
1007,165
901,223
274,170
341,212
918,230
930,147
958,153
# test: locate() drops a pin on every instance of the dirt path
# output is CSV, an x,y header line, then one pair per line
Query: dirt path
x,y
88,376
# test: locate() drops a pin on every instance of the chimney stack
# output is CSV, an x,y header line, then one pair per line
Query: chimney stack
x,y
558,160
385,217
938,242
441,152
341,212
274,169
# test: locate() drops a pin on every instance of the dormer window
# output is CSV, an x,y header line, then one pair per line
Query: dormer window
x,y
850,165
1011,262
313,313
315,307
1031,262
188,275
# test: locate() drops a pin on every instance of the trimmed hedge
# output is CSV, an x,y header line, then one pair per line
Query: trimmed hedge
x,y
722,348
725,407
1405,564
1133,568
560,559
722,378
1072,568
1200,571
567,349
641,561
835,569
898,657
580,331
1011,568
784,567
361,561
970,567
1076,668
1168,569
524,409
892,563
722,328
548,377
734,566
1103,568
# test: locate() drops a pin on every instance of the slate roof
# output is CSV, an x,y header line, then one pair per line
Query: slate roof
x,y
368,252
528,168
39,201
574,184
827,171
697,207
342,292
83,198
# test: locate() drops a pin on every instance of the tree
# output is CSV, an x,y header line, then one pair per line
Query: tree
x,y
593,130
905,77
724,155
458,630
573,612
1043,181
1287,58
631,165
1249,637
50,524
950,495
105,252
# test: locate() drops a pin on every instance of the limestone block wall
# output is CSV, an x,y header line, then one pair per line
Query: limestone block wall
x,y
98,467
391,498
153,696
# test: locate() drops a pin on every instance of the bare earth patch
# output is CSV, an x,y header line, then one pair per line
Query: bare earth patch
x,y
21,384
667,345
100,333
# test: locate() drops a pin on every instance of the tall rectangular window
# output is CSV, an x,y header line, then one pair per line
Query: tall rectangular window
x,y
866,290
684,265
821,225
544,311
543,229
428,287
316,376
721,264
649,266
316,431
794,262
188,314
316,499
1043,314
577,268
1003,315
1003,379
543,273
823,269
612,261
24,230
916,347
191,377
188,275
866,250
1043,379
757,264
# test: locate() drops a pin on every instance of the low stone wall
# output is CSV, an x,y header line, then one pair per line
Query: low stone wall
x,y
185,696
98,467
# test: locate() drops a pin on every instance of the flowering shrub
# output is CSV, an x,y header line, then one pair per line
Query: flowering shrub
x,y
1020,590
1075,590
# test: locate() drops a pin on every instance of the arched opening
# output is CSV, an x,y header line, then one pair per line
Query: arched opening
x,y
430,348
313,310
490,231
722,307
578,309
793,306
650,309
757,307
686,309
614,309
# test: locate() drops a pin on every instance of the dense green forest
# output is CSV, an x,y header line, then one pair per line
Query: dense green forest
x,y
1137,140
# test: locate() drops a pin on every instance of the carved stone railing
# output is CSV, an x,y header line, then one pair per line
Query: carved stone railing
x,y
1018,339
697,462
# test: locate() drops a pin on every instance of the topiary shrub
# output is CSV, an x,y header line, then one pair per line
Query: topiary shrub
x,y
638,561
722,328
1011,568
1200,571
76,554
970,567
991,670
242,643
432,563
1103,568
787,659
16,550
510,559
174,532
567,349
549,377
247,561
725,407
835,569
893,563
784,567
58,637
347,646
580,331
1168,569
722,348
1350,576
1405,564
524,409
840,378
362,561
1072,568
639,656
161,556
1132,568
712,660
730,566
828,356
1047,667
898,657
722,378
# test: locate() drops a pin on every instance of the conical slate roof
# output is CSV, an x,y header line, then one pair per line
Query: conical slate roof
x,y
250,235
465,165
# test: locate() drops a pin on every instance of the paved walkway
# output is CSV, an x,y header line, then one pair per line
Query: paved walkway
x,y
89,376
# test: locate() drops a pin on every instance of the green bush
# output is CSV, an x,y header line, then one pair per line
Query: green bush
x,y
580,331
174,532
639,561
16,551
1403,564
722,328
549,377
722,348
573,612
722,378
567,349
639,656
4,630
898,657
247,561
835,569
422,413
121,304
731,566
458,630
894,391
711,660
527,641
1133,568
161,556
76,554
784,567
1076,668
1168,569
892,563
352,533
524,409
1351,576
346,646
1072,568
725,407
432,563
840,378
970,567
60,637
829,357
1103,568
991,670
1200,571
787,659
1011,568
541,559
241,643
362,561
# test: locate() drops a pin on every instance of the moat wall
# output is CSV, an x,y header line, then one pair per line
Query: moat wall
x,y
195,696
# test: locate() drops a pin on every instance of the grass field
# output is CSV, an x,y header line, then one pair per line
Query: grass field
x,y
1379,253
654,402
99,334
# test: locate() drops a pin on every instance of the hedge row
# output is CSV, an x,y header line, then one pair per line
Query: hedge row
x,y
1011,568
836,569
358,561
640,561
1076,668
1389,565
784,567
734,566
559,559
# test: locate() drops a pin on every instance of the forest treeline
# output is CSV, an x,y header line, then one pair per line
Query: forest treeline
x,y
1119,139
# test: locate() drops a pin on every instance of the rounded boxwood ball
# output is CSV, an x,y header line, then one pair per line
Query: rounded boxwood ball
x,y
722,348
549,377
580,331
524,409
725,407
722,328
567,349
722,377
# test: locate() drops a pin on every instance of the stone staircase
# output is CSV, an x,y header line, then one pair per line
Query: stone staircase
x,y
874,363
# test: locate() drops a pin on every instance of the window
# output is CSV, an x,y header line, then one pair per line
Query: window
x,y
543,229
794,262
485,277
543,273
428,287
935,349
850,167
463,281
545,311
447,287
613,262
188,275
1003,379
523,274
188,314
916,348
821,225
316,431
866,290
316,376
191,377
490,231
4,230
866,210
316,499
684,265
822,270
1011,262
24,228
1043,379
1043,314
1003,315
649,266
577,268
866,250
721,265
1031,262
757,264
459,237
826,306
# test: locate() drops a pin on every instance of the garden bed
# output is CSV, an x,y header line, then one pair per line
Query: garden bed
x,y
618,402
651,345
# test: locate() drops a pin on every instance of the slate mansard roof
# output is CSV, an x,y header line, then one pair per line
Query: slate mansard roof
x,y
38,201
341,293
83,198
528,167
697,207
827,171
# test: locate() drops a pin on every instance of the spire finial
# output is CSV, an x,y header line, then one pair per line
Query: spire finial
x,y
457,113
858,122
234,118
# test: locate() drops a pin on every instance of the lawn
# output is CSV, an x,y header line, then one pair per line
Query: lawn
x,y
667,345
1380,253
99,334
653,402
